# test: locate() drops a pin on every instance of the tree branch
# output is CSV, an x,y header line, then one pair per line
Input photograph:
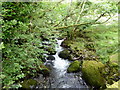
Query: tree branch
x,y
83,5
95,22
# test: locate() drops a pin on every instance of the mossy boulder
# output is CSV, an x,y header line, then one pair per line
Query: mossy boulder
x,y
28,83
44,70
92,73
74,67
65,54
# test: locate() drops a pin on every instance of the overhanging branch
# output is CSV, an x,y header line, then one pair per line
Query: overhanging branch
x,y
94,22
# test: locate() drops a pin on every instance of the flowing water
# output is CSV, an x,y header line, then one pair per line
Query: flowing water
x,y
59,76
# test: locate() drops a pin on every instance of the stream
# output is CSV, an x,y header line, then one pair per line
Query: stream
x,y
59,78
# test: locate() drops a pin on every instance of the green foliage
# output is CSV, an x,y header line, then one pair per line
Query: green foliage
x,y
21,50
105,40
26,25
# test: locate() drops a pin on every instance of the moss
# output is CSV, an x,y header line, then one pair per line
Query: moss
x,y
27,83
78,48
111,70
92,73
74,67
66,43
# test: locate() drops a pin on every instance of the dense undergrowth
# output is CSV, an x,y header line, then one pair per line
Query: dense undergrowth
x,y
27,25
99,41
22,53
106,40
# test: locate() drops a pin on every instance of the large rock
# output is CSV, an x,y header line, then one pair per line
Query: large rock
x,y
74,67
65,54
92,73
49,64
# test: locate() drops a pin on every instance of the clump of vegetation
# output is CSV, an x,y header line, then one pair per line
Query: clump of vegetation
x,y
21,45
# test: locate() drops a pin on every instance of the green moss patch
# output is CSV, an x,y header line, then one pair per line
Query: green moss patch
x,y
27,83
92,74
74,66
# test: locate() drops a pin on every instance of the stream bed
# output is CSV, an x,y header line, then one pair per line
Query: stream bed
x,y
59,78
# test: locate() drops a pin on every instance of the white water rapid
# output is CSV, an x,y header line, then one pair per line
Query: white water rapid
x,y
59,76
60,64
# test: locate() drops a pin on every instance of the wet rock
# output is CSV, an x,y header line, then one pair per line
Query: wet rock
x,y
65,54
50,57
43,60
49,64
60,38
92,73
74,67
28,83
